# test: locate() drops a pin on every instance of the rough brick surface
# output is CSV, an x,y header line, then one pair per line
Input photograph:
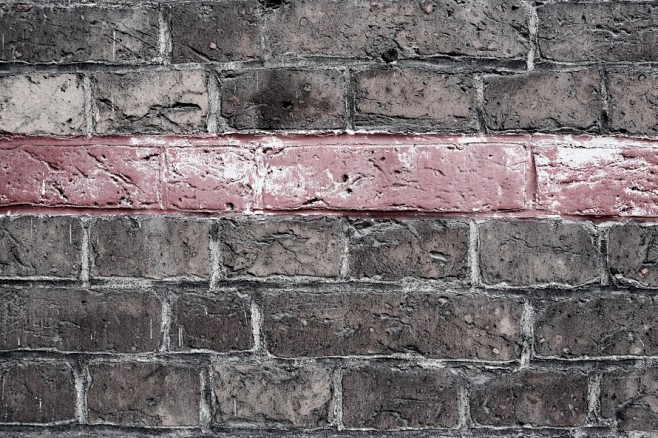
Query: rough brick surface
x,y
80,176
36,392
389,30
143,394
150,247
285,99
228,31
526,253
42,104
630,398
282,246
633,254
464,178
602,181
220,323
634,101
79,320
530,398
212,178
64,34
619,31
415,99
543,101
151,102
40,246
597,326
276,395
393,398
433,325
423,248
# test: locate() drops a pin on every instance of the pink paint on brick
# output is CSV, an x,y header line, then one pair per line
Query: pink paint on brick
x,y
613,181
212,179
80,176
448,178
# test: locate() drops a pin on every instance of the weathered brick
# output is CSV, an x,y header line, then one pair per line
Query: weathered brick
x,y
614,181
447,178
634,101
392,398
212,178
629,396
173,102
144,394
391,250
415,99
84,33
285,99
390,29
227,31
431,324
40,246
80,176
526,253
79,320
220,323
42,104
543,101
281,246
36,392
619,31
633,253
530,398
150,247
283,395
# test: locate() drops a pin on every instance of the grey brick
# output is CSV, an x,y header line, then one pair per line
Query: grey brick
x,y
629,396
633,253
634,102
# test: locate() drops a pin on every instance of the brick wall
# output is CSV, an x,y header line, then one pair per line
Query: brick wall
x,y
319,218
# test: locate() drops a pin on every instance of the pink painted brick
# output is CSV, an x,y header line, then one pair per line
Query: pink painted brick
x,y
447,178
212,178
597,181
80,176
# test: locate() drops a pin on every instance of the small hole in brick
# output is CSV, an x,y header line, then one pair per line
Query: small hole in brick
x,y
345,178
349,190
287,105
390,55
230,206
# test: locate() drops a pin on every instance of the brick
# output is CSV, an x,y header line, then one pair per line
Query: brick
x,y
613,181
274,395
393,398
42,104
85,33
629,396
394,249
144,394
543,101
212,178
151,247
172,102
221,323
80,176
597,326
530,398
634,101
479,28
415,99
36,392
285,99
282,246
356,323
527,253
632,254
620,31
76,320
445,178
40,246
228,31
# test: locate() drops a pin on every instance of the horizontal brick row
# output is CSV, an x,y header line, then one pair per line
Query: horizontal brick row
x,y
390,99
552,175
